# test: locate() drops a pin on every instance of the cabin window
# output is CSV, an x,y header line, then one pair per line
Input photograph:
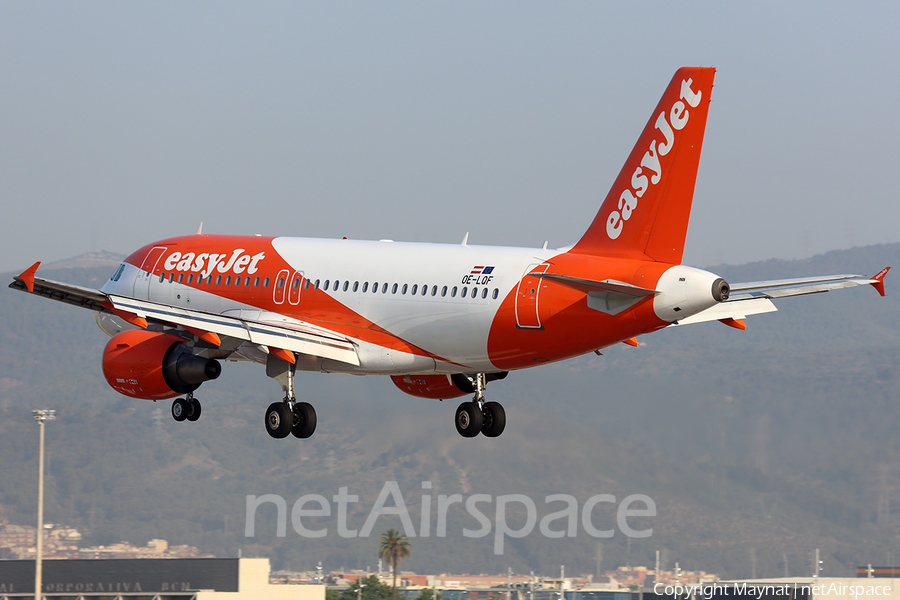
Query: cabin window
x,y
280,282
171,277
434,290
296,283
453,292
356,286
247,281
415,289
405,287
266,282
424,290
484,293
256,282
394,289
317,284
465,290
228,281
306,284
365,287
190,279
496,293
327,284
199,279
443,291
384,288
181,278
162,277
337,286
375,288
218,280
346,285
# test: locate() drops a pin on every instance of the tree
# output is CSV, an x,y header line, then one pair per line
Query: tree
x,y
429,594
394,547
372,589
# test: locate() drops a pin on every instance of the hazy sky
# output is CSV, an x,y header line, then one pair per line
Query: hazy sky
x,y
123,122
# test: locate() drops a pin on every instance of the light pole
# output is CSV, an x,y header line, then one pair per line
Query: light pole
x,y
40,416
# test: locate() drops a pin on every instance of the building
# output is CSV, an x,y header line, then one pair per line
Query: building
x,y
151,579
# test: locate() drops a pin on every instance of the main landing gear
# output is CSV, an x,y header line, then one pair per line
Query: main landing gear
x,y
479,416
186,408
290,417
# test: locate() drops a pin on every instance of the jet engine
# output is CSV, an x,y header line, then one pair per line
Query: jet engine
x,y
435,387
440,387
154,366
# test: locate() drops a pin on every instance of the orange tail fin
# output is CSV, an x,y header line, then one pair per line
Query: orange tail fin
x,y
646,213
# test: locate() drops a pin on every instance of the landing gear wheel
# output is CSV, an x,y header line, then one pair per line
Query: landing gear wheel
x,y
304,420
468,420
279,420
193,410
179,409
494,419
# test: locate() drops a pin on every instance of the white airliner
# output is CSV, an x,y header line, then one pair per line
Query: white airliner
x,y
441,320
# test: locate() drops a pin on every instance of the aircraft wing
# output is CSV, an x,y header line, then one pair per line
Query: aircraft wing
x,y
756,297
293,337
63,292
297,337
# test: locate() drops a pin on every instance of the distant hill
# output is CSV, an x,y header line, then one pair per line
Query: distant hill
x,y
91,259
780,439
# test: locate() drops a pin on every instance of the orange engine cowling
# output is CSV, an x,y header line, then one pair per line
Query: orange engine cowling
x,y
436,387
154,366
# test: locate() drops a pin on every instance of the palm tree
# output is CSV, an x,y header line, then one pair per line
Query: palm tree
x,y
394,547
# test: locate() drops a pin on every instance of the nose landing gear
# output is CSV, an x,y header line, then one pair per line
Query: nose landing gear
x,y
479,416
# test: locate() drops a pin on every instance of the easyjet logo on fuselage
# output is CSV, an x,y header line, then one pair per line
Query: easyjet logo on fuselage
x,y
628,200
237,262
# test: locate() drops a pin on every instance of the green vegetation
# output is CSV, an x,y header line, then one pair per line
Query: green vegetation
x,y
393,546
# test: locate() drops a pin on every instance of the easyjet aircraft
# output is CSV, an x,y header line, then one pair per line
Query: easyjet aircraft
x,y
441,320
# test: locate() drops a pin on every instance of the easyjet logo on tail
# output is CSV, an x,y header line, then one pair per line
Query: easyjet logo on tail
x,y
237,262
640,182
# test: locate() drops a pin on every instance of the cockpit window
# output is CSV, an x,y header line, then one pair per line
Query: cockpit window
x,y
115,276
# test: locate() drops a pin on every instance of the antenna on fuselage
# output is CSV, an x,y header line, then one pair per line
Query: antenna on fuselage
x,y
200,229
465,241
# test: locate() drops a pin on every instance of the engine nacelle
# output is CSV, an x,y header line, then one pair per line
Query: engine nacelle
x,y
435,387
441,387
154,366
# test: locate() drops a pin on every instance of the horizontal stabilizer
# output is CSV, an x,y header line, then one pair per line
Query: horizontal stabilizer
x,y
591,285
608,296
735,310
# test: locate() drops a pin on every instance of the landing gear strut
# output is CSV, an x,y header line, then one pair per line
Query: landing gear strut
x,y
186,408
290,417
479,416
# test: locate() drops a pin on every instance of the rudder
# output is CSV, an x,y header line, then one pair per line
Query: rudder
x,y
646,212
